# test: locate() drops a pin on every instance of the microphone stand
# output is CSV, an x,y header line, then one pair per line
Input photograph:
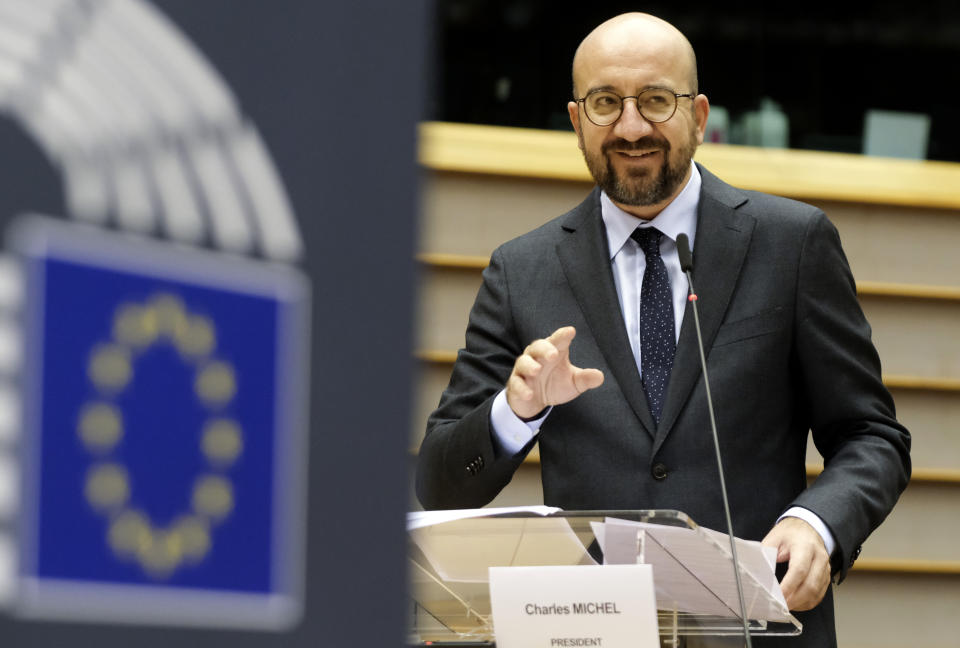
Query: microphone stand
x,y
686,265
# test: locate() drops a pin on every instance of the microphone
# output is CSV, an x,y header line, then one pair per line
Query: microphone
x,y
686,265
686,257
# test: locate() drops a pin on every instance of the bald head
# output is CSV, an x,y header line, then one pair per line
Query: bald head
x,y
631,39
641,164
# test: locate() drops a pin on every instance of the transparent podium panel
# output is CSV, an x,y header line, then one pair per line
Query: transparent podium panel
x,y
693,571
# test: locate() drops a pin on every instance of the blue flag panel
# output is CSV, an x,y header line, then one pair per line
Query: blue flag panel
x,y
162,393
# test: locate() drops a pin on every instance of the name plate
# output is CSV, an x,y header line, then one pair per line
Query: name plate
x,y
610,606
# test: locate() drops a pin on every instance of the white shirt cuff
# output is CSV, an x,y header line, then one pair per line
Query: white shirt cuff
x,y
510,432
813,520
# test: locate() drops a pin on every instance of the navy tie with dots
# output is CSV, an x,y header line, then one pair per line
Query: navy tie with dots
x,y
657,342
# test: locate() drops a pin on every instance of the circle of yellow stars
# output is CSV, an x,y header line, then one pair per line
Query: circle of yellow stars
x,y
131,534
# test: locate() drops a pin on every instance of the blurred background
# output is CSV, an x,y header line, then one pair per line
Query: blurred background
x,y
814,71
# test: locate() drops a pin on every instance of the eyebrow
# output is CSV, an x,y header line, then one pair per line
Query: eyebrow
x,y
605,88
610,88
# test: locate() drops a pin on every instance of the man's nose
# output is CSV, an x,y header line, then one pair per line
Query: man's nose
x,y
632,125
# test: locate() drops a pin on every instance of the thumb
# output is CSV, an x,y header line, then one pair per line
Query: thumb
x,y
584,379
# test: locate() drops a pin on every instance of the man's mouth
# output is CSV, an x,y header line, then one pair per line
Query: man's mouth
x,y
645,147
638,154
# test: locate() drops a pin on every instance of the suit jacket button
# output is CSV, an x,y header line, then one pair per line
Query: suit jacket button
x,y
659,471
856,554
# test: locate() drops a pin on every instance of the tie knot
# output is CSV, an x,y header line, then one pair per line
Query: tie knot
x,y
648,238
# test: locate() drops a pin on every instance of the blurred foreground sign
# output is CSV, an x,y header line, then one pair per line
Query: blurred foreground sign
x,y
164,416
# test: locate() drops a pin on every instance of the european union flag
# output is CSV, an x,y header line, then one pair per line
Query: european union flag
x,y
164,395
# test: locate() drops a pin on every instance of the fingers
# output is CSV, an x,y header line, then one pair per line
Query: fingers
x,y
808,575
796,575
542,375
525,394
522,387
542,351
807,578
527,367
545,352
517,388
562,337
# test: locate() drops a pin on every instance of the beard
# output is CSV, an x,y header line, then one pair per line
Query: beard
x,y
640,187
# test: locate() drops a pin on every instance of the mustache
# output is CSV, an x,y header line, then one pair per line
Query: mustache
x,y
645,142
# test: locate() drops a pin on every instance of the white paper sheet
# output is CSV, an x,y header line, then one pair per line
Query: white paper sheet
x,y
418,519
463,544
693,571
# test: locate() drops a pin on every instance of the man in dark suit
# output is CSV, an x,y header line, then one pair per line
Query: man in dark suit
x,y
787,345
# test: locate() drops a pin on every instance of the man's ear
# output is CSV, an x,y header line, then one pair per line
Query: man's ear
x,y
573,108
701,110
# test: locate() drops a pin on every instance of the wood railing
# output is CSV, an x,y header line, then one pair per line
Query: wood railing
x,y
522,152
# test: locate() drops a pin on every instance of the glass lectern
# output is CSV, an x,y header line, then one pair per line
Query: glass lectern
x,y
693,572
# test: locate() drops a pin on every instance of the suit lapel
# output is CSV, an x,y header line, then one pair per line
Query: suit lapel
x,y
723,237
581,254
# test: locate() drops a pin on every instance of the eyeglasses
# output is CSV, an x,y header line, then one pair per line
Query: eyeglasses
x,y
655,104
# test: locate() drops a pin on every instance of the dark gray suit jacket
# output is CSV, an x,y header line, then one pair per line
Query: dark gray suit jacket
x,y
788,351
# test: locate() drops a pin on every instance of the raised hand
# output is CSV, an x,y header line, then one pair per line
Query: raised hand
x,y
543,376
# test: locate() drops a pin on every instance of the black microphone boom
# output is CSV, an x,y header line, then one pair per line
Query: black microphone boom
x,y
686,265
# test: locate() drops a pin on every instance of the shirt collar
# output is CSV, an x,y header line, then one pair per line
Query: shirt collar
x,y
680,216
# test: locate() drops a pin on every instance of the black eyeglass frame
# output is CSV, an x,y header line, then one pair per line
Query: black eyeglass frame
x,y
636,98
